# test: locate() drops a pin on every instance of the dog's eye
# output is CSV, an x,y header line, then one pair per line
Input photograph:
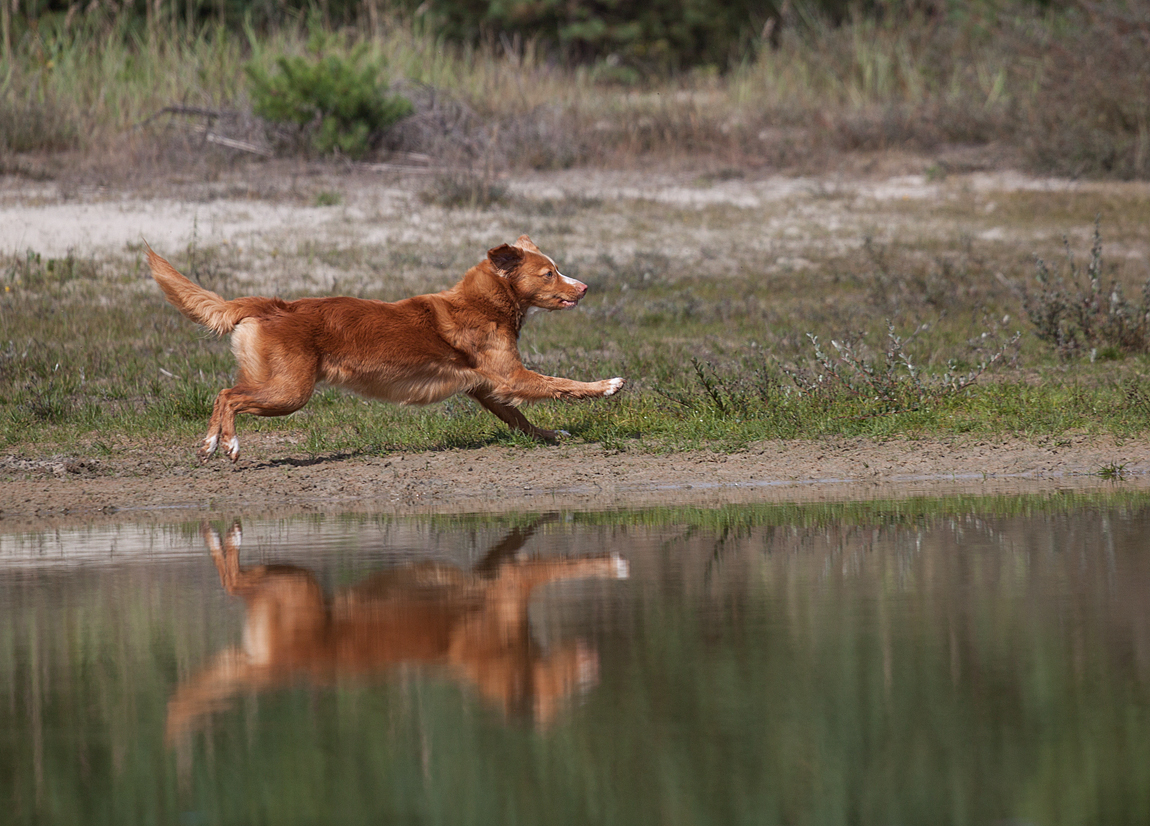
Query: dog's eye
x,y
549,275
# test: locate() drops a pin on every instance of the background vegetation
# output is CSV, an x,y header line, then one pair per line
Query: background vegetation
x,y
1059,86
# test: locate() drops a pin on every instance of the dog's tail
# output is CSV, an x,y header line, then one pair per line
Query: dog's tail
x,y
203,306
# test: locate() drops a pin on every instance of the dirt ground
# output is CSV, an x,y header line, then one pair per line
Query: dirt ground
x,y
790,218
153,483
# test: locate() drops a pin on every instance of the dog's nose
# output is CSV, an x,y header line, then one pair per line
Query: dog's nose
x,y
582,288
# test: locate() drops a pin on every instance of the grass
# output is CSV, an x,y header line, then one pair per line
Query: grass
x,y
885,340
1114,471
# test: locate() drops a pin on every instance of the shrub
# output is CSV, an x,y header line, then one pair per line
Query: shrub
x,y
659,36
338,104
1080,316
894,381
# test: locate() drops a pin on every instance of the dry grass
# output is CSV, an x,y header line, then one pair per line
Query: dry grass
x,y
1062,92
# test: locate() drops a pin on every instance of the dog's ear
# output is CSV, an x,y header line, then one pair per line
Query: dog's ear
x,y
525,243
505,257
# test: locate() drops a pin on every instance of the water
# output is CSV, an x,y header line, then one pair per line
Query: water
x,y
924,661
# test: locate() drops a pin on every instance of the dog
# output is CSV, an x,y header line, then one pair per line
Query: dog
x,y
416,351
471,626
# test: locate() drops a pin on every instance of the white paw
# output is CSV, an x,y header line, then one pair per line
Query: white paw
x,y
236,535
210,445
233,448
621,568
563,433
212,538
613,386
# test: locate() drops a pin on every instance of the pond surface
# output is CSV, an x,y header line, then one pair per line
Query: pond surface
x,y
920,661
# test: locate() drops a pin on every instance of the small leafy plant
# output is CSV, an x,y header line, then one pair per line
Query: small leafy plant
x,y
1114,471
1085,316
338,104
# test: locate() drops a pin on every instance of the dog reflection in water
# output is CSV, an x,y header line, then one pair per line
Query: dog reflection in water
x,y
472,626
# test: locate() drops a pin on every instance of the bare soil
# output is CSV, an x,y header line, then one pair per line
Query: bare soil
x,y
152,481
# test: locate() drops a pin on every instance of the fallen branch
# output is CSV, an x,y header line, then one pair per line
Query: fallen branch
x,y
209,135
232,143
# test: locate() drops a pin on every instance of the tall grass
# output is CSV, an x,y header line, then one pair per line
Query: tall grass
x,y
1064,90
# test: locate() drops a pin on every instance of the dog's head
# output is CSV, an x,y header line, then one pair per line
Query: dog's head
x,y
534,277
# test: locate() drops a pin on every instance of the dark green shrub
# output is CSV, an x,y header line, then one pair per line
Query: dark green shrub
x,y
338,104
651,35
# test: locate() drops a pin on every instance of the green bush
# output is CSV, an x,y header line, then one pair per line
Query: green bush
x,y
337,104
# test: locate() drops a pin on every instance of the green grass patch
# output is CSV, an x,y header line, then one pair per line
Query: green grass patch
x,y
157,380
884,340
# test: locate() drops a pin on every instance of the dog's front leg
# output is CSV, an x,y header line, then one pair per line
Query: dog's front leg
x,y
513,418
524,385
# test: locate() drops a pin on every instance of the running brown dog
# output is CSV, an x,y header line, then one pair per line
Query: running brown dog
x,y
415,351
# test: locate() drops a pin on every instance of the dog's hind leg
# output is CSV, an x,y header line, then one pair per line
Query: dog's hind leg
x,y
275,378
273,398
513,418
212,439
